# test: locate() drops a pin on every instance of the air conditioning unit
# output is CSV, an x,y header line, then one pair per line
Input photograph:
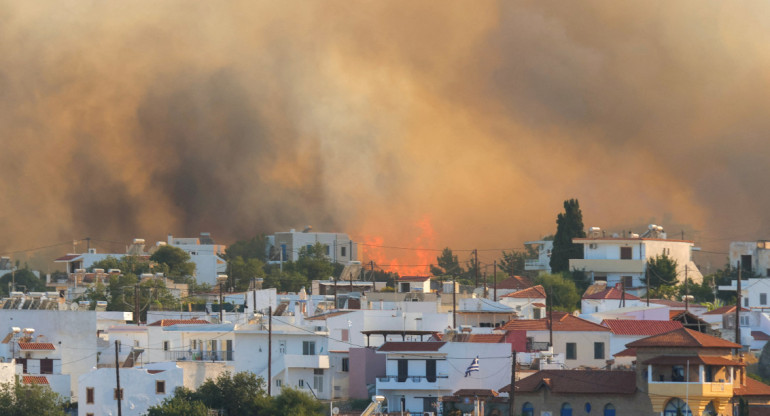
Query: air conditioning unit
x,y
319,329
592,246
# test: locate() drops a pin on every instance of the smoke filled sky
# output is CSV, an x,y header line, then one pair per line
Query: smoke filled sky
x,y
432,124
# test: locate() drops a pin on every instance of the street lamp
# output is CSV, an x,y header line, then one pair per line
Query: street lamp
x,y
221,279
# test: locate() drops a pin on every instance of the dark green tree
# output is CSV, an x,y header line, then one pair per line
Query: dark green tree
x,y
448,265
662,274
569,225
242,394
126,264
313,263
24,278
255,248
296,403
286,281
241,271
175,262
179,405
763,367
18,399
562,291
513,263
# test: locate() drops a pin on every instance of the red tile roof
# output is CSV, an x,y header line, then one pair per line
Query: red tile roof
x,y
724,309
752,388
611,293
628,352
561,322
42,346
34,380
760,336
530,292
539,305
640,327
393,346
476,393
578,382
683,338
666,302
413,278
515,282
485,338
169,322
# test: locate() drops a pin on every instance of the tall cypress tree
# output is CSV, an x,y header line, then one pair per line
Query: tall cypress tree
x,y
569,225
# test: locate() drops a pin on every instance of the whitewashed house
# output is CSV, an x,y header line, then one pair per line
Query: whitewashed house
x,y
529,303
140,389
623,259
207,255
608,299
418,373
285,246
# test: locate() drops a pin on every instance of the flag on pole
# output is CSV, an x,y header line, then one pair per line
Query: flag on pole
x,y
473,367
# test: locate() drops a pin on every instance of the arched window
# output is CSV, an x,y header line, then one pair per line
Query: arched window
x,y
677,407
609,410
527,409
566,409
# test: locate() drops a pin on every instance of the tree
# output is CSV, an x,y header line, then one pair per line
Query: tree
x,y
661,272
179,406
255,248
296,403
447,265
240,272
24,279
513,263
285,281
177,262
562,291
18,399
569,225
313,263
126,264
240,394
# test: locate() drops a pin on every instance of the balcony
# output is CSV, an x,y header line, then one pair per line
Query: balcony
x,y
306,361
535,264
682,389
411,383
200,355
607,266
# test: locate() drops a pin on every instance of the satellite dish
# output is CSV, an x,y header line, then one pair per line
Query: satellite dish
x,y
336,411
74,306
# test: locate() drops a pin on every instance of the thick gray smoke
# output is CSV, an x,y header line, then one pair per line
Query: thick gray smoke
x,y
399,122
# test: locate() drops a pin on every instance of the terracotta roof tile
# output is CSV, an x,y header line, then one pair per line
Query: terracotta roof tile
x,y
682,338
640,327
34,380
42,346
530,292
485,338
611,293
666,302
692,359
628,352
578,382
760,336
539,305
169,322
561,322
393,346
515,282
724,309
753,388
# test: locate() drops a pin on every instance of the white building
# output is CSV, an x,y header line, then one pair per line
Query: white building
x,y
529,303
141,388
754,257
608,299
300,355
205,253
542,264
285,246
617,259
418,373
754,292
624,331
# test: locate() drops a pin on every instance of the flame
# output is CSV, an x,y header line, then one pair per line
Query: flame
x,y
412,256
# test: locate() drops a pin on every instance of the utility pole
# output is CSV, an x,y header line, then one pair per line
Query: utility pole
x,y
254,296
511,406
647,272
118,393
269,350
351,288
221,306
88,244
622,292
454,303
371,266
476,254
550,318
136,304
494,282
738,309
686,291
335,293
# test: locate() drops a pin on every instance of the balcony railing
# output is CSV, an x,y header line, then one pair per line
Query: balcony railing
x,y
413,379
200,355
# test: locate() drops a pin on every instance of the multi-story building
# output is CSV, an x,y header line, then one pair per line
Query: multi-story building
x,y
285,246
542,264
205,253
623,258
753,256
529,303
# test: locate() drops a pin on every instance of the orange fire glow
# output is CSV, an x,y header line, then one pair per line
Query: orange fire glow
x,y
411,256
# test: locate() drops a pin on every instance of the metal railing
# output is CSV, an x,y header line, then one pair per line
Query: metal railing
x,y
414,379
200,355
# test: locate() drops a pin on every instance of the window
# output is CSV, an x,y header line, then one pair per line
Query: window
x,y
403,370
628,281
327,249
165,345
598,350
308,347
527,409
763,298
625,253
301,383
746,262
677,407
343,251
89,395
282,347
677,373
318,380
536,313
571,351
600,278
746,302
744,320
609,410
346,364
194,344
160,387
46,366
566,409
115,394
430,370
278,382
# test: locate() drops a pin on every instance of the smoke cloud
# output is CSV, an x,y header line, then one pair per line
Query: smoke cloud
x,y
381,119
